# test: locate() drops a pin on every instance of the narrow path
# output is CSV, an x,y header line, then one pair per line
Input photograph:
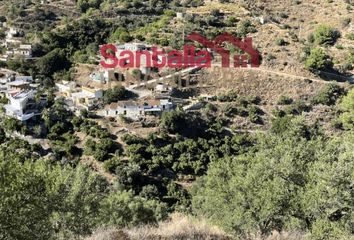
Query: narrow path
x,y
144,93
260,69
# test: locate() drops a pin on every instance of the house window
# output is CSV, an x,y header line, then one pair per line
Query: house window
x,y
125,112
116,112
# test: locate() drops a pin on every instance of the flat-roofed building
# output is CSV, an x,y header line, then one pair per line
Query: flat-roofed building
x,y
87,97
136,110
18,103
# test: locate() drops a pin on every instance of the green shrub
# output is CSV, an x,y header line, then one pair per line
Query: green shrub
x,y
227,97
84,5
111,164
350,57
11,124
347,106
229,110
284,100
311,38
246,27
99,150
350,36
275,174
132,139
242,112
283,15
121,35
318,60
286,26
325,229
210,107
325,35
328,95
173,121
254,114
270,57
231,21
255,118
123,209
297,108
115,94
280,124
280,42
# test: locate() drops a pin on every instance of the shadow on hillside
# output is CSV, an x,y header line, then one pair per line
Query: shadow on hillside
x,y
332,75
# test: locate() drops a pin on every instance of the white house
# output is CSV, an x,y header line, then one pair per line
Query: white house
x,y
87,97
179,15
142,54
13,36
163,88
129,109
133,47
13,32
12,83
135,111
25,50
104,76
66,88
18,103
24,78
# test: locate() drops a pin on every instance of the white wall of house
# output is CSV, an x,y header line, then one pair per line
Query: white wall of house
x,y
98,94
136,112
17,105
133,112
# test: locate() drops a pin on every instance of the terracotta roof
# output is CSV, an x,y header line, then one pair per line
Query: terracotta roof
x,y
127,104
113,105
151,102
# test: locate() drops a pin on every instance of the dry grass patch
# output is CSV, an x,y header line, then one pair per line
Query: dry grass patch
x,y
179,227
227,8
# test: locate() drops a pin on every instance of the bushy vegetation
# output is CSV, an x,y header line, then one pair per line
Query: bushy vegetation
x,y
284,100
115,94
49,202
329,95
318,60
325,35
173,121
246,27
227,97
84,5
280,42
290,176
347,106
289,181
100,150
